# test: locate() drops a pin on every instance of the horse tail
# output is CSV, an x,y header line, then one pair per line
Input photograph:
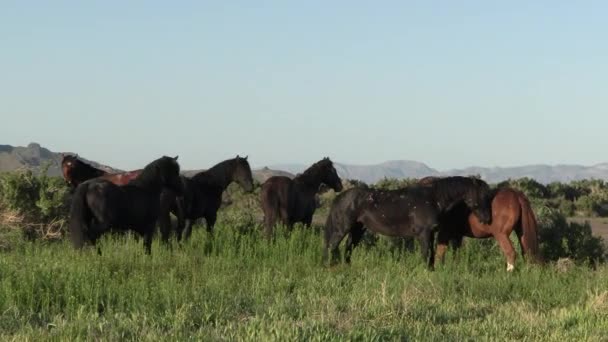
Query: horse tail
x,y
79,216
270,207
529,227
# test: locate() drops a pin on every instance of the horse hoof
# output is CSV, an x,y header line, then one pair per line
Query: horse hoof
x,y
510,267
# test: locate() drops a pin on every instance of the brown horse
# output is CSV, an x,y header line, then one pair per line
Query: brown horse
x,y
293,200
75,171
511,211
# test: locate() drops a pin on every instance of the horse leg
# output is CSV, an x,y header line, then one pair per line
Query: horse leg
x,y
507,249
211,218
427,245
442,246
456,243
354,237
187,229
269,223
332,243
165,226
148,235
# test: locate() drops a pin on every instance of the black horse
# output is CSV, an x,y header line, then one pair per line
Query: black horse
x,y
203,196
99,205
290,201
411,211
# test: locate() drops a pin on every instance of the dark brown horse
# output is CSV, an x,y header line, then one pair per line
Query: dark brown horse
x,y
99,205
203,196
289,201
511,211
411,211
75,171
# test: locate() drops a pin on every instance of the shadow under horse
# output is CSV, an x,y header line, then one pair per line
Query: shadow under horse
x,y
511,211
411,211
99,205
202,196
75,171
290,201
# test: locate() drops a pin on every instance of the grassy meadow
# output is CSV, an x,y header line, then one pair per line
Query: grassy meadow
x,y
238,286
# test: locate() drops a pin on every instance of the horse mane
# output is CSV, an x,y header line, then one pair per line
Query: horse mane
x,y
447,188
311,174
81,163
79,171
151,173
217,174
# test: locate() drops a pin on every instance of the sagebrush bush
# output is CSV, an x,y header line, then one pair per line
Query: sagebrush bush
x,y
562,239
41,201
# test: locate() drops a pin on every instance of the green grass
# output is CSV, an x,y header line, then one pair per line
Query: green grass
x,y
237,286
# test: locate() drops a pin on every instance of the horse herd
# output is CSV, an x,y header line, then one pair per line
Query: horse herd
x,y
449,207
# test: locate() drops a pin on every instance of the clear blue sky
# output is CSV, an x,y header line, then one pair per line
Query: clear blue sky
x,y
448,83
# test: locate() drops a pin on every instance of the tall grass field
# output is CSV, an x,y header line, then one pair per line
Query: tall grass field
x,y
236,286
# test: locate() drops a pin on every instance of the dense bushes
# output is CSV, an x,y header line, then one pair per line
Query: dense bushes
x,y
562,239
35,203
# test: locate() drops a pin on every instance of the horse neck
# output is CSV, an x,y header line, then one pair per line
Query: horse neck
x,y
309,181
447,196
219,175
147,181
88,172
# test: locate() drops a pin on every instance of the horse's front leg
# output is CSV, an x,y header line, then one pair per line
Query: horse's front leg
x,y
148,234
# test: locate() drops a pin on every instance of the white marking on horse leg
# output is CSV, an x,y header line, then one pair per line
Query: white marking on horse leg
x,y
510,267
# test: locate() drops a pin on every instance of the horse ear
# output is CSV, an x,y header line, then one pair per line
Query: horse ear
x,y
238,157
175,158
247,156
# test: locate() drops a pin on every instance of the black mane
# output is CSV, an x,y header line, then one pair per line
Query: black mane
x,y
219,175
151,175
311,176
79,171
448,188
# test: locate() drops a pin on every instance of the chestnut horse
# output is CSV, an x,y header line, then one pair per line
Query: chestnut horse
x,y
293,200
75,171
511,211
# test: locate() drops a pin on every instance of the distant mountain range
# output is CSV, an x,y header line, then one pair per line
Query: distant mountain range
x,y
413,169
34,157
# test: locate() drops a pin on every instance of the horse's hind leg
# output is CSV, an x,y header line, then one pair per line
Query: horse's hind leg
x,y
211,218
269,222
443,239
187,230
354,237
456,243
427,245
332,244
507,249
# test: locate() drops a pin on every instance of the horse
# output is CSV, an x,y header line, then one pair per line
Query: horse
x,y
99,205
411,211
293,200
511,211
203,196
75,171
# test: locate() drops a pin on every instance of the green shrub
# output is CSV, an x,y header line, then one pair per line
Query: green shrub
x,y
40,201
562,239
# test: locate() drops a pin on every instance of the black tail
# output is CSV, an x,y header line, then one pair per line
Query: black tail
x,y
79,216
270,207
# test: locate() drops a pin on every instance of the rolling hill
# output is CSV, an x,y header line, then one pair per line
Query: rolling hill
x,y
35,156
